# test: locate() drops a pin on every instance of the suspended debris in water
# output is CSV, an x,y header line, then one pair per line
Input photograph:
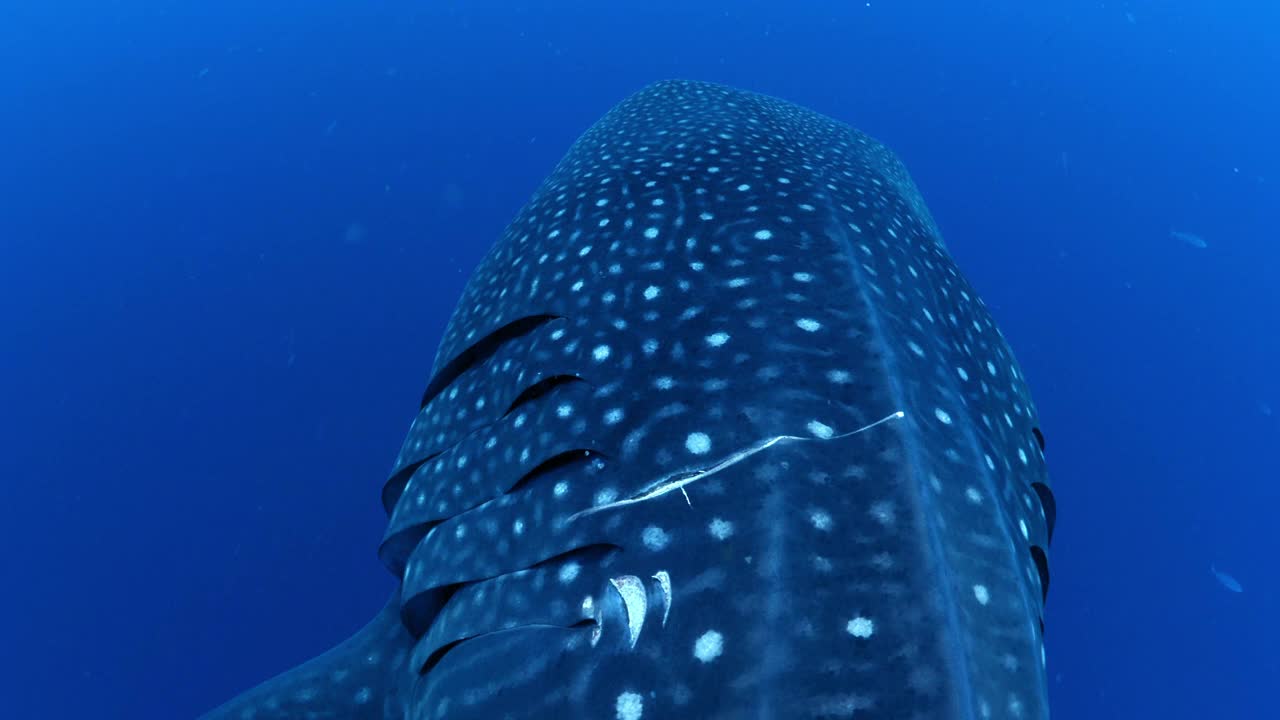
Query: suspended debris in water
x,y
1191,239
1226,580
354,234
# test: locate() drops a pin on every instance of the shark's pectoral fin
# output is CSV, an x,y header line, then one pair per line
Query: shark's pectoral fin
x,y
359,679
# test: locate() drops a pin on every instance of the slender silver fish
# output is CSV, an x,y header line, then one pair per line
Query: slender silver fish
x,y
1226,580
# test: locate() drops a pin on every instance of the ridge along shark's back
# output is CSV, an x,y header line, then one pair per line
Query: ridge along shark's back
x,y
717,430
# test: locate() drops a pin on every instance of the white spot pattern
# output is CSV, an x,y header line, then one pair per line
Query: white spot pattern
x,y
860,627
708,646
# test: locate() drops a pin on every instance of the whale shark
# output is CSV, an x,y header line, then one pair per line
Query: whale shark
x,y
717,430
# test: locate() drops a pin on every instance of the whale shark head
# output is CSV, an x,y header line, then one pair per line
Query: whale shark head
x,y
717,430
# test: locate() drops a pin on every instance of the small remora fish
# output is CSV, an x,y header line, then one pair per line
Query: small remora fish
x,y
1226,580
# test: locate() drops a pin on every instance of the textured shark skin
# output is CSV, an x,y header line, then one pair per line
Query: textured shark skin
x,y
717,430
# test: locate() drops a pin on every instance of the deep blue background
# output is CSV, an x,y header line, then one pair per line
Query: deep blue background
x,y
231,234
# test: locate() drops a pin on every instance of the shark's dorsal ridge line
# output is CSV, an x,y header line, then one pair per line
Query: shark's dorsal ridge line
x,y
723,294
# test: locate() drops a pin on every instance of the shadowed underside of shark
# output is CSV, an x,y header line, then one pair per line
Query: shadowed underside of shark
x,y
717,430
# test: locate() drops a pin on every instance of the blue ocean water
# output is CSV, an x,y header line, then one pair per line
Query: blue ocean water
x,y
231,234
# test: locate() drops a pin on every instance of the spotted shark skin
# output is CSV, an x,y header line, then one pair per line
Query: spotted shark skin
x,y
717,430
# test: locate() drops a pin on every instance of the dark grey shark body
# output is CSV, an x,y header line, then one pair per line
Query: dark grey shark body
x,y
717,431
